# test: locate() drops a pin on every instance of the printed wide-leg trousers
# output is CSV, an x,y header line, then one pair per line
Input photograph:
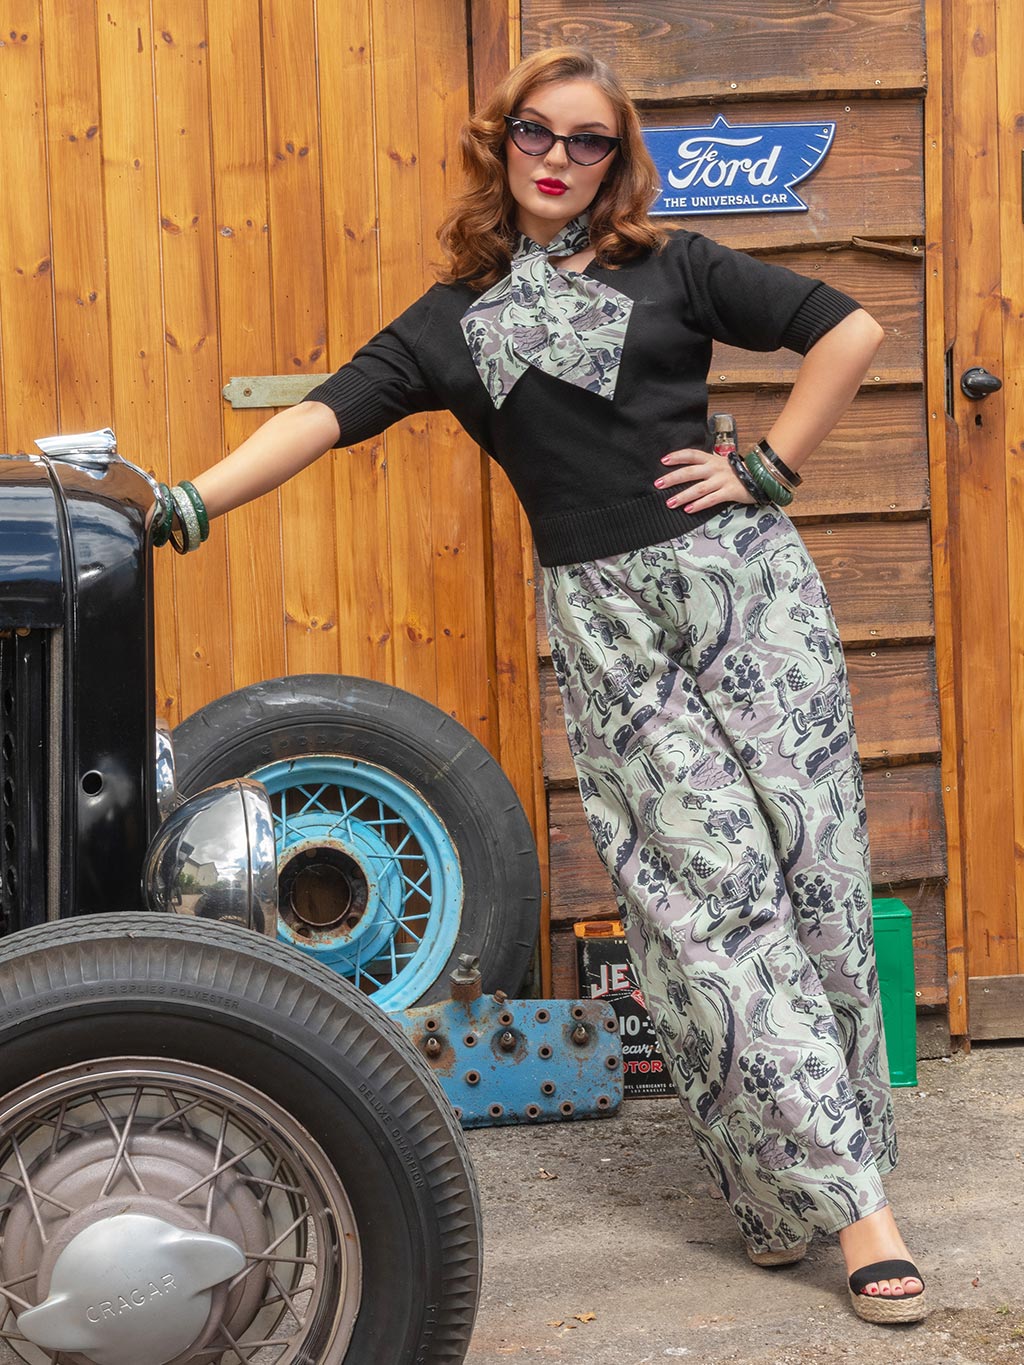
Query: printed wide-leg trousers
x,y
708,713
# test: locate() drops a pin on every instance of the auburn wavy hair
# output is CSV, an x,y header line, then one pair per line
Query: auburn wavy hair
x,y
479,232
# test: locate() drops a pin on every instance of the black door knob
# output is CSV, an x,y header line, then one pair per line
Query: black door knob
x,y
978,383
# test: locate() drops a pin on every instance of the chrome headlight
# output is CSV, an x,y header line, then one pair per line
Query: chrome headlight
x,y
215,858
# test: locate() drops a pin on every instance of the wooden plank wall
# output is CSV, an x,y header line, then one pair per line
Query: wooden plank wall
x,y
864,508
198,191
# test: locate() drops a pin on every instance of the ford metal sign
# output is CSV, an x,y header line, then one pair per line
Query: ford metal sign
x,y
736,168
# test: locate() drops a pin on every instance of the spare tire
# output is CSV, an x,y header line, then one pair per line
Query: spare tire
x,y
401,843
213,1149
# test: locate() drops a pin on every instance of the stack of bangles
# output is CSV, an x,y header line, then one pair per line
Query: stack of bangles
x,y
765,475
181,518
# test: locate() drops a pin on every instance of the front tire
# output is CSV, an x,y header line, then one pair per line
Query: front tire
x,y
185,1047
401,843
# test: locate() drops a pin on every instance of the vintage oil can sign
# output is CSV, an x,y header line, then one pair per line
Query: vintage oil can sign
x,y
736,167
606,973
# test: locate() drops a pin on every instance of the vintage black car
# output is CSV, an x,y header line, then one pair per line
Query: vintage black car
x,y
213,1147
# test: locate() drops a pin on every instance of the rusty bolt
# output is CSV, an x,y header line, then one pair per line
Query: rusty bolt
x,y
507,1041
500,997
465,980
580,1035
432,1047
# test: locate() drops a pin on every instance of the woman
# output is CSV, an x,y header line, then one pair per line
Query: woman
x,y
704,687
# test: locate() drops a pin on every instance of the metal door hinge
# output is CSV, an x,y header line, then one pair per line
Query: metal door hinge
x,y
269,390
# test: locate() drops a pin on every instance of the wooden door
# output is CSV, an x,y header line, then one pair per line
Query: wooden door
x,y
865,509
983,131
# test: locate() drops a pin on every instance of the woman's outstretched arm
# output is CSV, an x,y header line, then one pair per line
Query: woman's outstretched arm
x,y
829,376
284,444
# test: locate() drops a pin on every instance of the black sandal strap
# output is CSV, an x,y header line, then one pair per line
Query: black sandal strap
x,y
884,1270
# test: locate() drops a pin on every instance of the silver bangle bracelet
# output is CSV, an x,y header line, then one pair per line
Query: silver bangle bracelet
x,y
186,533
778,464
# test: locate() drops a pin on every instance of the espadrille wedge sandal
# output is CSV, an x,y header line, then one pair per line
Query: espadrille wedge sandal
x,y
787,1257
885,1308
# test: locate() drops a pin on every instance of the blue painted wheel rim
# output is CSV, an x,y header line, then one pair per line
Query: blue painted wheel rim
x,y
371,884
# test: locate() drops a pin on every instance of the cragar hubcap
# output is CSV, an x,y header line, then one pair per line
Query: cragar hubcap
x,y
129,1288
156,1212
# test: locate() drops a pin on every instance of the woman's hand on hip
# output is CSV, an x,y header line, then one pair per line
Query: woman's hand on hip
x,y
698,479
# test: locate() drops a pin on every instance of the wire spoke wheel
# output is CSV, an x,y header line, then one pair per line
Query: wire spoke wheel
x,y
216,1151
200,1152
370,882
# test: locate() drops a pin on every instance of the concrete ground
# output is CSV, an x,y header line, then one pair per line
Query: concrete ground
x,y
604,1245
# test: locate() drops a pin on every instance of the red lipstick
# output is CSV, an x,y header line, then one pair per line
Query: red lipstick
x,y
551,186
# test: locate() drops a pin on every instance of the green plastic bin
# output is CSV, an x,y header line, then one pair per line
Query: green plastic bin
x,y
894,952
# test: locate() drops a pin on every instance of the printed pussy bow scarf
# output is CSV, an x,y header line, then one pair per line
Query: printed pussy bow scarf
x,y
566,324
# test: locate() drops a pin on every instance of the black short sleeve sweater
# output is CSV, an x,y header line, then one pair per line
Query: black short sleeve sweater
x,y
583,466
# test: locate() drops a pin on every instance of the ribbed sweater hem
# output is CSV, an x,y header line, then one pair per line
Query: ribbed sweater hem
x,y
597,532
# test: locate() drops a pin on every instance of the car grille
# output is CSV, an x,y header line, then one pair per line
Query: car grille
x,y
25,778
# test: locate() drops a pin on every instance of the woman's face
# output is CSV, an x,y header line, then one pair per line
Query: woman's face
x,y
550,189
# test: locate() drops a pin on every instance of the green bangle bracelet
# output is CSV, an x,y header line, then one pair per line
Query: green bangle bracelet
x,y
163,517
194,497
764,478
781,496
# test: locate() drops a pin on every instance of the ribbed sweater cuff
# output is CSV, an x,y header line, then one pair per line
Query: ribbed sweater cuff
x,y
355,402
820,311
